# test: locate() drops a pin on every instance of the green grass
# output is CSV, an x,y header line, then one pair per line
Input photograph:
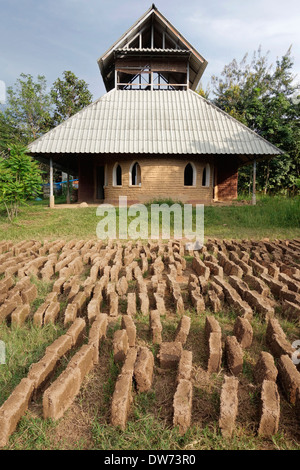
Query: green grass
x,y
24,346
272,217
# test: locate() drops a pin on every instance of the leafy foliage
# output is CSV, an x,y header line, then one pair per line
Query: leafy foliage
x,y
20,180
29,107
262,97
69,96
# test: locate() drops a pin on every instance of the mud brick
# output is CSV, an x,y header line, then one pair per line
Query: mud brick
x,y
160,303
269,409
234,355
58,285
121,401
122,286
197,301
234,299
185,366
20,314
7,308
48,270
52,313
214,352
243,332
130,360
182,405
14,408
211,326
83,360
257,267
61,394
199,267
113,304
60,346
6,284
155,326
29,295
120,345
131,303
289,377
128,325
158,267
217,289
97,333
80,300
274,285
169,354
70,313
143,369
144,303
276,339
292,284
239,285
289,295
183,329
241,263
228,406
38,317
257,284
77,331
41,372
93,309
214,301
114,273
265,368
291,310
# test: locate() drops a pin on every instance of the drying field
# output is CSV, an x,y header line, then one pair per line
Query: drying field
x,y
143,346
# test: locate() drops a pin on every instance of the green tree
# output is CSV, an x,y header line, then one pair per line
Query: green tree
x,y
69,96
20,180
261,96
8,133
28,107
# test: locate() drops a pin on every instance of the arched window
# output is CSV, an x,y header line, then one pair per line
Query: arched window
x,y
135,177
117,175
206,175
190,175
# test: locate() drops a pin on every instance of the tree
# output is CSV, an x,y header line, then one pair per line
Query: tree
x,y
8,133
261,96
69,96
20,180
28,107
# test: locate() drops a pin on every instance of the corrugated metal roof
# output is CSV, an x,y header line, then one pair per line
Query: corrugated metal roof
x,y
157,121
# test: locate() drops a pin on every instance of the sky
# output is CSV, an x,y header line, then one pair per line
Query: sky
x,y
47,37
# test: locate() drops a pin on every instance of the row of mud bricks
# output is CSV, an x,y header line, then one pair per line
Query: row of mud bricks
x,y
224,272
58,396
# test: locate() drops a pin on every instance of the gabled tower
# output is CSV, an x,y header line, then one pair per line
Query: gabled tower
x,y
152,55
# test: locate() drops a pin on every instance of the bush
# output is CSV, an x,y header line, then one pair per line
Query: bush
x,y
20,180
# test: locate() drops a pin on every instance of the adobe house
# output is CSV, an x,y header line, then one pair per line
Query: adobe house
x,y
151,135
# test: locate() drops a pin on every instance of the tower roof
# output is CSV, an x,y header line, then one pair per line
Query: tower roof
x,y
154,34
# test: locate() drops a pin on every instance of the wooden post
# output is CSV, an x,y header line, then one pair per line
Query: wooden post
x,y
68,189
51,201
254,184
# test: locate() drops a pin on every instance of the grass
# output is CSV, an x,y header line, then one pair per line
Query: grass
x,y
272,217
24,346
